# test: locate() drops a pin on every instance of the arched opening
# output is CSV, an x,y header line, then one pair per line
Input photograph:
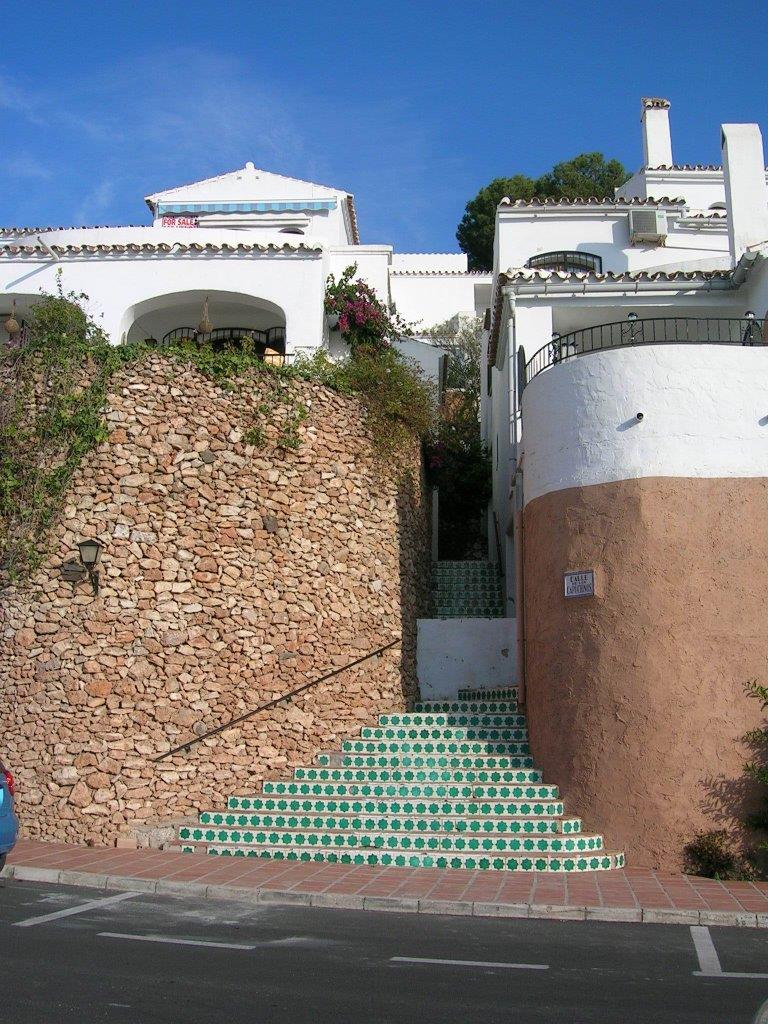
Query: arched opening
x,y
291,231
234,320
20,305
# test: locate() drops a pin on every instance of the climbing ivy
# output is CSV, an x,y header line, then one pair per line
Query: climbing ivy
x,y
54,384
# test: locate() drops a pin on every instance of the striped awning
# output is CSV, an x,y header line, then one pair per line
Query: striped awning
x,y
299,205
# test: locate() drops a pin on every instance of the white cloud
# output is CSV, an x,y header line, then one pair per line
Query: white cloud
x,y
95,203
26,166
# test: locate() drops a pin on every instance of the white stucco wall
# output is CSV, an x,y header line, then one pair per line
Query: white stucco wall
x,y
115,284
453,654
429,261
528,231
426,299
705,414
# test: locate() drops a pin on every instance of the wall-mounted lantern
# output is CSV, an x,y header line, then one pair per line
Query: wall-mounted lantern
x,y
90,554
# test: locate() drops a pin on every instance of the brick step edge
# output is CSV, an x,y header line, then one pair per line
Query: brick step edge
x,y
399,904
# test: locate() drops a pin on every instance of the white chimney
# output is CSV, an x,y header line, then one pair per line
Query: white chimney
x,y
746,195
657,140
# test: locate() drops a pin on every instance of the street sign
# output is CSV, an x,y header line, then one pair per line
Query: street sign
x,y
580,584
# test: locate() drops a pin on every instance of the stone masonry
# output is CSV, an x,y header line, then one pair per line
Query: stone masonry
x,y
231,574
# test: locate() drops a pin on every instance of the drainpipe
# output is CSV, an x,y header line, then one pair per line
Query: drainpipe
x,y
54,256
519,587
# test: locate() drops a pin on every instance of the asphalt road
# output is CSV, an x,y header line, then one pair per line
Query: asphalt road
x,y
138,960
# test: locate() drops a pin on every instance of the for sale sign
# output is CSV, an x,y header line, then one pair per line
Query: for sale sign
x,y
180,222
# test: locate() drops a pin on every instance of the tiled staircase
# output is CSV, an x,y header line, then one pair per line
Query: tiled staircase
x,y
466,590
449,785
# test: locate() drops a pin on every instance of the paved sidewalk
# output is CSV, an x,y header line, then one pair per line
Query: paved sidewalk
x,y
634,894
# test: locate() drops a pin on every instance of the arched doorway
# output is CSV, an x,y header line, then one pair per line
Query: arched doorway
x,y
235,320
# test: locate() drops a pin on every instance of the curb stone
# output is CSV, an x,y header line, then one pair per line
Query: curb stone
x,y
345,901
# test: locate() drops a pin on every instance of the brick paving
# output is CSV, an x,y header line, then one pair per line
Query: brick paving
x,y
631,894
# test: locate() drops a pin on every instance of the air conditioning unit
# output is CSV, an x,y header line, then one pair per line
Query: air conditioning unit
x,y
647,226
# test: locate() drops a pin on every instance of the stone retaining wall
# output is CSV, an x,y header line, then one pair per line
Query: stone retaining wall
x,y
230,574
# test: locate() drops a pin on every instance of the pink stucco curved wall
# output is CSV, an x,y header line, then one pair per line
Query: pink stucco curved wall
x,y
635,697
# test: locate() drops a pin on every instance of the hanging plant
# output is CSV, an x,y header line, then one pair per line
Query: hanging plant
x,y
363,319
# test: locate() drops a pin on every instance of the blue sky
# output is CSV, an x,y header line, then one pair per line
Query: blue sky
x,y
410,106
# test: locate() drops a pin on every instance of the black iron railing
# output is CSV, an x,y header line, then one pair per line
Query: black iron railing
x,y
271,703
568,260
656,331
224,336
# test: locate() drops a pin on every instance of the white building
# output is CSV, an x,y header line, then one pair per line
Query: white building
x,y
678,254
258,245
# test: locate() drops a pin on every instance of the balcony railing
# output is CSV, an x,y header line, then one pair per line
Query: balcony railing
x,y
233,337
568,260
656,331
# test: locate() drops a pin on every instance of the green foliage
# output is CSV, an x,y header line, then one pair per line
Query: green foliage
x,y
457,460
364,321
54,385
757,768
477,227
589,174
399,403
711,855
462,339
53,397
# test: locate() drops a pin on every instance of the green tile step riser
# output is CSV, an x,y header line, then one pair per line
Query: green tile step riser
x,y
406,791
447,733
459,748
488,692
444,825
377,840
437,816
468,707
527,775
414,719
551,862
452,762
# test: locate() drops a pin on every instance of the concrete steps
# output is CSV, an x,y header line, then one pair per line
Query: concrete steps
x,y
450,784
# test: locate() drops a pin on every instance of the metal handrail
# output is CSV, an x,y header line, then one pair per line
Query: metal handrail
x,y
654,331
271,703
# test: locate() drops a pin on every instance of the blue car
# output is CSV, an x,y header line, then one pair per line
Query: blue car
x,y
9,823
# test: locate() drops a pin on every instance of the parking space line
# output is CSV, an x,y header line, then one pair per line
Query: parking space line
x,y
709,961
82,908
467,963
172,941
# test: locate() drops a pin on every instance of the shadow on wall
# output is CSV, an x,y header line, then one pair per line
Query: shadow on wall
x,y
731,802
415,569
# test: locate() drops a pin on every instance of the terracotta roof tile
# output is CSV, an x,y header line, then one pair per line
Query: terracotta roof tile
x,y
148,248
592,201
441,273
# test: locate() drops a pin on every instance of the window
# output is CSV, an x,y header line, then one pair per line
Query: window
x,y
567,260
